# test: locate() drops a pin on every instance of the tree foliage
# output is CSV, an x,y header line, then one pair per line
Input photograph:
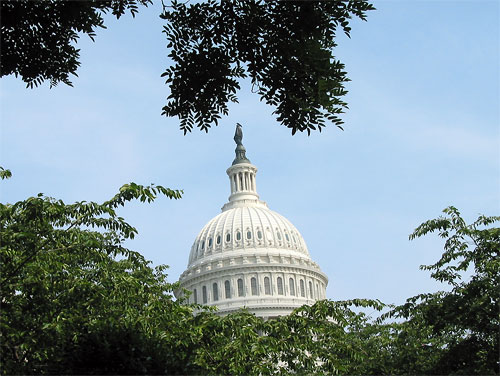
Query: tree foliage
x,y
318,339
454,332
467,317
38,37
75,300
67,283
285,47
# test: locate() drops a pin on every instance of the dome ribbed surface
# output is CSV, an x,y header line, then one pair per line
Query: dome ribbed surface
x,y
246,227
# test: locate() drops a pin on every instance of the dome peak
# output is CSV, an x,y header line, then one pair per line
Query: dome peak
x,y
242,177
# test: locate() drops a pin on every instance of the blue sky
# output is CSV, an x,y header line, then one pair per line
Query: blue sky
x,y
422,133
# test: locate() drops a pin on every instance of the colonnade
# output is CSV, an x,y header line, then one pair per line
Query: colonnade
x,y
243,181
258,284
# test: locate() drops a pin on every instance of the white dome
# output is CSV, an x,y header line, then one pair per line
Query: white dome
x,y
251,257
246,228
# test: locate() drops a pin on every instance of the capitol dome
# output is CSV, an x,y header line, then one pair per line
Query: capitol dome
x,y
250,256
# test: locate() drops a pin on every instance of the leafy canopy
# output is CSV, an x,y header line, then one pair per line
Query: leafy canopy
x,y
460,328
284,47
66,280
38,37
75,300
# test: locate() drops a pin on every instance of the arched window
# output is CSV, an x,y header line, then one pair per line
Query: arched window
x,y
311,295
238,235
302,289
278,234
240,287
204,292
195,296
267,286
317,291
209,242
228,237
287,238
203,244
253,285
280,286
259,234
291,283
215,291
218,239
227,287
249,235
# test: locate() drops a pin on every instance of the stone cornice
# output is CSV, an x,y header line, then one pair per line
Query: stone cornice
x,y
295,256
257,268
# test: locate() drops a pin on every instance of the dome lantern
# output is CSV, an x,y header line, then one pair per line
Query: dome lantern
x,y
241,176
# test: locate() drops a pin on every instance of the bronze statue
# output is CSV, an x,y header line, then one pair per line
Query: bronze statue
x,y
240,149
238,134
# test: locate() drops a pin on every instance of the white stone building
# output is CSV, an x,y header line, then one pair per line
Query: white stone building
x,y
250,256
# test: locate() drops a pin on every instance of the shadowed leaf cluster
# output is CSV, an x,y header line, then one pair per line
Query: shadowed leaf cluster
x,y
38,37
284,47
